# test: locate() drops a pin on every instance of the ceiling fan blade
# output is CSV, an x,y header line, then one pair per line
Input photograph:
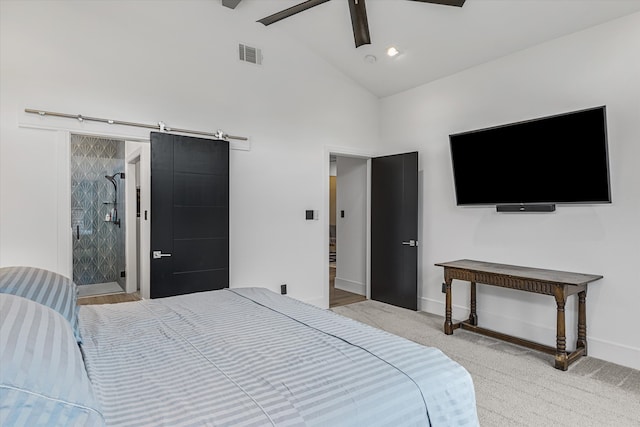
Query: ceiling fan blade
x,y
290,11
458,3
231,4
359,22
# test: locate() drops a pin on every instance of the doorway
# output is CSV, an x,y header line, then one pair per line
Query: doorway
x,y
347,230
390,235
99,183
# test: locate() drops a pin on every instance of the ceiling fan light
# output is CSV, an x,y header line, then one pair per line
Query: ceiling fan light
x,y
392,51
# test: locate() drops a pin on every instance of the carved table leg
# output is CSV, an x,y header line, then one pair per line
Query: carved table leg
x,y
473,317
448,325
582,321
561,339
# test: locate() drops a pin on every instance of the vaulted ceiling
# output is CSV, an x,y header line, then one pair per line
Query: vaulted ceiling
x,y
433,40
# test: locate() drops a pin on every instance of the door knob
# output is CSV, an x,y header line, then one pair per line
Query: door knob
x,y
411,243
159,254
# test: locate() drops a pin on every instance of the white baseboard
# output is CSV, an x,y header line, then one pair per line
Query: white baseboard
x,y
350,286
613,352
318,302
621,354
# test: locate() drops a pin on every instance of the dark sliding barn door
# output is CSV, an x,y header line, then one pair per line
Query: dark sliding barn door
x,y
189,214
394,230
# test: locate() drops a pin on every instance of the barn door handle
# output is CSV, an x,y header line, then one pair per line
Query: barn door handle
x,y
159,254
77,232
411,243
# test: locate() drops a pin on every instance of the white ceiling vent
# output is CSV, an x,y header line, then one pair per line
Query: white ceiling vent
x,y
250,54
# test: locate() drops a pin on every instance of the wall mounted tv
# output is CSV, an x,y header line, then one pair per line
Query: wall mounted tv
x,y
534,164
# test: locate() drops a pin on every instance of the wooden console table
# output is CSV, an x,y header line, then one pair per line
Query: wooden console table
x,y
560,284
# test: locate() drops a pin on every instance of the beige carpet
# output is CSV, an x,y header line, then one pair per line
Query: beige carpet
x,y
516,386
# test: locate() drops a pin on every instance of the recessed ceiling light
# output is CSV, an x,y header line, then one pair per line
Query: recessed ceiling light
x,y
370,59
392,51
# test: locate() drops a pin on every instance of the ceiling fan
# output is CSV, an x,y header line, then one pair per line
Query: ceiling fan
x,y
358,15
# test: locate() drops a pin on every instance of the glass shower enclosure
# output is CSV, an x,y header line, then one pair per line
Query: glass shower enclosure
x,y
97,214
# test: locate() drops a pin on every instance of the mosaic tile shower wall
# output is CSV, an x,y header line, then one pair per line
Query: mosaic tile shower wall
x,y
96,208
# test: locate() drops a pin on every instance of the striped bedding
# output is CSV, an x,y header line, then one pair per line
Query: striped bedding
x,y
42,286
250,357
43,381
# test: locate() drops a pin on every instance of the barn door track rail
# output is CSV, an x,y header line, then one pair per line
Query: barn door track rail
x,y
160,126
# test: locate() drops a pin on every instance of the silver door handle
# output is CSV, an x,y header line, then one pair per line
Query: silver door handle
x,y
159,254
411,243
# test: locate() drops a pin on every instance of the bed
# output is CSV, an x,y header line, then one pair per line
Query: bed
x,y
236,357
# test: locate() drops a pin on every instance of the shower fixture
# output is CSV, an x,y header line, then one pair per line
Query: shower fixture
x,y
112,216
112,179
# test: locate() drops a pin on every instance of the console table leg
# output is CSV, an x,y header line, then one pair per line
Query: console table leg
x,y
448,324
582,321
473,317
561,340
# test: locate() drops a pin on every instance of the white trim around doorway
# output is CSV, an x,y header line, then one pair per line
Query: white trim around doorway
x,y
344,152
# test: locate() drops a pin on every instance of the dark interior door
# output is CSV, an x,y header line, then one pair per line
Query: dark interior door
x,y
394,230
189,214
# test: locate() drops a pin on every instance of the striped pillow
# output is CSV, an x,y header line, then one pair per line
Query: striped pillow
x,y
46,287
43,381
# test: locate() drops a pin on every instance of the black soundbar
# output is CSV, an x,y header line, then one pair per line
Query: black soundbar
x,y
527,208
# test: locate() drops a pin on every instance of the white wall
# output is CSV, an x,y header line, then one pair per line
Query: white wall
x,y
599,66
351,231
176,61
333,168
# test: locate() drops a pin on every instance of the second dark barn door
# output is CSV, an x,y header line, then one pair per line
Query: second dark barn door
x,y
189,214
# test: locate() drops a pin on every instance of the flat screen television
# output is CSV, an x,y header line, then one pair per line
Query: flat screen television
x,y
556,159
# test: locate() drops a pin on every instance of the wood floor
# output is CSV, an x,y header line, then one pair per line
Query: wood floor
x,y
338,297
109,299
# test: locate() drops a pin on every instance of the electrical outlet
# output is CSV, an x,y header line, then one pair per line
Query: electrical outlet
x,y
283,289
